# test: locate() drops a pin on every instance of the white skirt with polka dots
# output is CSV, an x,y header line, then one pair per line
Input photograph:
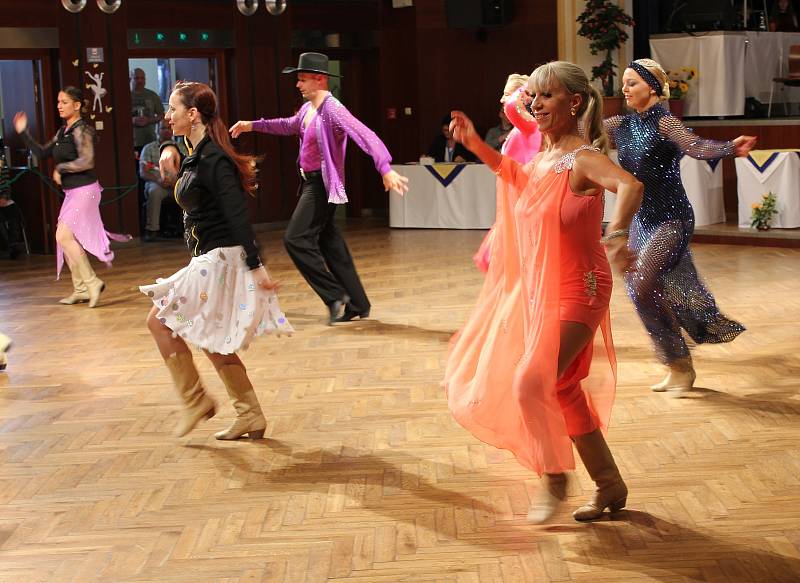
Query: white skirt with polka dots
x,y
214,304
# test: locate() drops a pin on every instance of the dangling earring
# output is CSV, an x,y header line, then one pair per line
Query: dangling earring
x,y
572,110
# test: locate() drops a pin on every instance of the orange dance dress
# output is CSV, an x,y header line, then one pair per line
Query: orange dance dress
x,y
501,373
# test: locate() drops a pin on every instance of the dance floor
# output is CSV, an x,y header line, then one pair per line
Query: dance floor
x,y
363,476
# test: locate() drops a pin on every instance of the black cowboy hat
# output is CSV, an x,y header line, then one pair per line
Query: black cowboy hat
x,y
311,63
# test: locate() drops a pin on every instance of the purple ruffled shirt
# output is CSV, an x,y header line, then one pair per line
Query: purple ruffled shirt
x,y
334,125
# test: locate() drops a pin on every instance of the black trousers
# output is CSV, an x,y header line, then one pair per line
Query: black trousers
x,y
317,247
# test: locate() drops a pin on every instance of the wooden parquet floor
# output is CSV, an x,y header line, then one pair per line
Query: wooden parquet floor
x,y
364,476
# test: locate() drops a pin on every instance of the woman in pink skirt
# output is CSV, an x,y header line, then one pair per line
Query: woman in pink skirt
x,y
80,227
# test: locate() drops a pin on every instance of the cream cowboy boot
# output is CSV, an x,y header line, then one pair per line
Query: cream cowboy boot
x,y
94,285
249,418
79,291
552,493
197,404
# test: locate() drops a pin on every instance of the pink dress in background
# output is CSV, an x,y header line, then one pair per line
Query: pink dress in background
x,y
547,267
522,144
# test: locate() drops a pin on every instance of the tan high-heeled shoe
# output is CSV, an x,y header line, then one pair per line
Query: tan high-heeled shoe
x,y
611,493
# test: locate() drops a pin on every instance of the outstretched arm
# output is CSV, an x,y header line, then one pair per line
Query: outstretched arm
x,y
21,127
508,169
516,113
696,147
279,126
368,141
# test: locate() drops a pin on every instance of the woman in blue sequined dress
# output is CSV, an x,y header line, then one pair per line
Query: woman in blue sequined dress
x,y
664,286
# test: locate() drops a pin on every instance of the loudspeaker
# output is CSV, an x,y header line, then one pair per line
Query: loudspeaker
x,y
479,13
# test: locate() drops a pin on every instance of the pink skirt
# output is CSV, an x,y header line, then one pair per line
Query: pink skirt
x,y
80,212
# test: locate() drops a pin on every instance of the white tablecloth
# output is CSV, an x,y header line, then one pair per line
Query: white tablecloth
x,y
767,58
718,57
770,170
702,181
467,202
730,66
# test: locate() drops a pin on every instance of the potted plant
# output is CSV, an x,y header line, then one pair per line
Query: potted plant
x,y
603,22
761,215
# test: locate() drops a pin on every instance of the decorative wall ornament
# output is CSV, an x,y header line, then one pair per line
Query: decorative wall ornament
x,y
98,90
73,6
247,7
275,7
109,6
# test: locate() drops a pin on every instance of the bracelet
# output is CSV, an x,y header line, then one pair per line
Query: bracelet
x,y
613,235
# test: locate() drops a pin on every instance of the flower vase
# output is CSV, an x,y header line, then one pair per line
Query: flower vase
x,y
676,107
762,227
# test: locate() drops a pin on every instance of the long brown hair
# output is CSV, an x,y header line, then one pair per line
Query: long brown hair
x,y
201,96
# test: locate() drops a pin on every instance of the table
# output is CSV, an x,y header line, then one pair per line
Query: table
x,y
445,196
702,180
730,67
770,170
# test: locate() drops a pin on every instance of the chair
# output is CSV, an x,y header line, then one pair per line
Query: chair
x,y
791,80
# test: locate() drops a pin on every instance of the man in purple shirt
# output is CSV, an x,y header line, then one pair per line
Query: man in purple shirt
x,y
312,238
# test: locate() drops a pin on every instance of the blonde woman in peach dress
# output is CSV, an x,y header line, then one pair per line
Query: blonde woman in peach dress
x,y
528,372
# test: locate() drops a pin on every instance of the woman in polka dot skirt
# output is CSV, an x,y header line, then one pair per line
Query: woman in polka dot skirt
x,y
224,298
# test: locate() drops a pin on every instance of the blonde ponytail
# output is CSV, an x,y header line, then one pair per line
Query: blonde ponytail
x,y
593,121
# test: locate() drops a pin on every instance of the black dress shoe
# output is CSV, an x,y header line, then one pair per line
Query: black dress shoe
x,y
335,310
351,314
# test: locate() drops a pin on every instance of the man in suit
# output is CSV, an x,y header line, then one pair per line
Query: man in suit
x,y
445,149
312,238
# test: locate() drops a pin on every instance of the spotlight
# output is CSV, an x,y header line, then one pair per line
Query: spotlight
x,y
73,6
247,7
109,6
275,7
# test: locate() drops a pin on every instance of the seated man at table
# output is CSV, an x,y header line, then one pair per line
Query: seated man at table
x,y
445,149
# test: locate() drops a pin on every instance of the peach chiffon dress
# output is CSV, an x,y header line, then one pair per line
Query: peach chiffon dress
x,y
549,266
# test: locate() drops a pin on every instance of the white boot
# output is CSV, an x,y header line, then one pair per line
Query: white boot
x,y
680,377
94,285
5,344
552,493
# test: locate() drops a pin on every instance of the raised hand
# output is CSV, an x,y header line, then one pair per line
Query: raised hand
x,y
394,181
463,130
744,144
20,122
240,127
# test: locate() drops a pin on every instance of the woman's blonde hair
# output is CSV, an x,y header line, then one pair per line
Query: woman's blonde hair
x,y
659,73
574,80
514,82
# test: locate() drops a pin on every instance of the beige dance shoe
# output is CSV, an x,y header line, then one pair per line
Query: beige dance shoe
x,y
611,493
249,417
680,378
94,285
79,293
552,493
197,404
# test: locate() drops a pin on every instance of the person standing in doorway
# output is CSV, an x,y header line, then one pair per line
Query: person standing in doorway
x,y
147,111
312,238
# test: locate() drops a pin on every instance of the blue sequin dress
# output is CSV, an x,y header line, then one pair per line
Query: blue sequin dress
x,y
665,288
